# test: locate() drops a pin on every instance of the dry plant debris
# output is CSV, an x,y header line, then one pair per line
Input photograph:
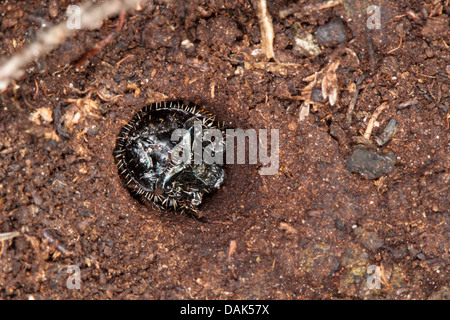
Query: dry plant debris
x,y
9,235
329,84
91,17
267,34
42,114
300,10
373,118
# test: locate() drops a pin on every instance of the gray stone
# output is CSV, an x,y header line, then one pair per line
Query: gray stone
x,y
331,33
370,164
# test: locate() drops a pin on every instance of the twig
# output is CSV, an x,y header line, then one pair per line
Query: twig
x,y
122,60
352,104
395,49
351,107
406,104
58,121
372,120
9,235
372,59
37,89
320,6
267,34
90,17
232,249
308,9
104,42
330,87
51,240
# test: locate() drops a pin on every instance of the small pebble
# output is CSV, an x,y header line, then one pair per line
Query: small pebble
x,y
387,133
371,240
331,33
370,164
429,53
292,126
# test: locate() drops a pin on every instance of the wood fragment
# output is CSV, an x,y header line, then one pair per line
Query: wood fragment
x,y
387,133
352,104
44,113
304,111
52,240
398,47
308,9
330,86
406,104
232,249
372,120
9,235
311,8
266,27
288,228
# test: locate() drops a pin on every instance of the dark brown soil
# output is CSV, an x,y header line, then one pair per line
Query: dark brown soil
x,y
309,232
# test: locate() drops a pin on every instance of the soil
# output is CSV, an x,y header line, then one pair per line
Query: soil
x,y
313,230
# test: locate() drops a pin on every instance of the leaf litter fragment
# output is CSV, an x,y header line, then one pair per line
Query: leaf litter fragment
x,y
41,114
330,86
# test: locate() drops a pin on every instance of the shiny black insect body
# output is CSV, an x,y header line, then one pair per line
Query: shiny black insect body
x,y
155,155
